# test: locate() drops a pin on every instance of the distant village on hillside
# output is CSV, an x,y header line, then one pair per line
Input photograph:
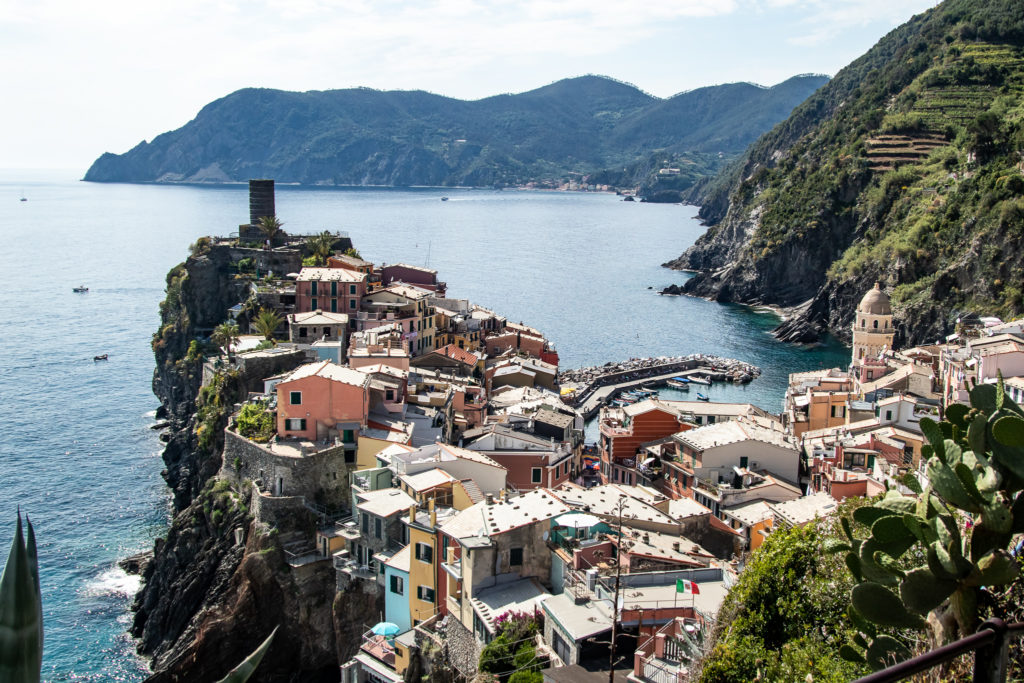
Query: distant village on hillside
x,y
441,452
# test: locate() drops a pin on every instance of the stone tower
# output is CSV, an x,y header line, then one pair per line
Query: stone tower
x,y
872,327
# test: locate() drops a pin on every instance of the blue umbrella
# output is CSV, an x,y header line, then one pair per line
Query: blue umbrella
x,y
386,629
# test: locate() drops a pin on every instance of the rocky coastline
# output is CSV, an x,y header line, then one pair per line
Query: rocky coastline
x,y
218,582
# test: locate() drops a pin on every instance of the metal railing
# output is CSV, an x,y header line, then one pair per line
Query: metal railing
x,y
990,645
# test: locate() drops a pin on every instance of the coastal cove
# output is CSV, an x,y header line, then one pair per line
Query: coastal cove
x,y
81,461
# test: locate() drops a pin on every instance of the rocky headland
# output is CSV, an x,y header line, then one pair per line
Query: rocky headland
x,y
218,582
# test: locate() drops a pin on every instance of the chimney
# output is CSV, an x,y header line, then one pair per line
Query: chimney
x,y
433,513
412,513
675,546
261,200
489,498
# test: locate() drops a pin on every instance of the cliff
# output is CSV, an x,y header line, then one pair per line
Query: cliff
x,y
905,169
208,597
368,137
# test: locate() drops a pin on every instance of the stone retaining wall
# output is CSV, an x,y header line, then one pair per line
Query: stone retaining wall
x,y
321,477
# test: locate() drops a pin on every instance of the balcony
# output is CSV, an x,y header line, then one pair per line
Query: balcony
x,y
379,648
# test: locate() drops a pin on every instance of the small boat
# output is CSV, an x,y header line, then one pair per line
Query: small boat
x,y
103,357
81,289
680,383
702,397
24,199
700,380
444,199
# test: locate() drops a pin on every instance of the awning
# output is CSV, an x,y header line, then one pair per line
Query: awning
x,y
577,520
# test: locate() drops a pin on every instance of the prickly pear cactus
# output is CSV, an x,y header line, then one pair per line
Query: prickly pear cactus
x,y
922,560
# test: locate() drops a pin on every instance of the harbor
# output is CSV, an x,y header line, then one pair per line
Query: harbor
x,y
588,389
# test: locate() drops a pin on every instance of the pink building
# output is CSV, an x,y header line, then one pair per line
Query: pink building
x,y
332,290
413,275
323,401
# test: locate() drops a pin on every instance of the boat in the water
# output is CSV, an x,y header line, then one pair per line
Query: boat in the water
x,y
444,199
680,383
81,289
103,357
698,379
702,397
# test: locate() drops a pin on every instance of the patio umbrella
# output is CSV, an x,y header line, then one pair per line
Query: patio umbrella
x,y
577,521
386,629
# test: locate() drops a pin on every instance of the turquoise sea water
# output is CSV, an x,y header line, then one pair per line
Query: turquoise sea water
x,y
78,455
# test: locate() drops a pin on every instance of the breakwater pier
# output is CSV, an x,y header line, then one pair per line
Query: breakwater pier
x,y
593,387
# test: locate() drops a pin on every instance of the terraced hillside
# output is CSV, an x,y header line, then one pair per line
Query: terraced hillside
x,y
906,168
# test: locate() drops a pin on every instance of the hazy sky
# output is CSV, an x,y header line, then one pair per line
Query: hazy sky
x,y
83,78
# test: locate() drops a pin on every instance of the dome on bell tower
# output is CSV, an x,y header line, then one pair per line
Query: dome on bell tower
x,y
875,302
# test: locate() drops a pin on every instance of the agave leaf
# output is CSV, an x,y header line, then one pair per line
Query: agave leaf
x,y
21,616
241,673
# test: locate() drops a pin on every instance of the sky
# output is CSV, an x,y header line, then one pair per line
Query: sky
x,y
84,78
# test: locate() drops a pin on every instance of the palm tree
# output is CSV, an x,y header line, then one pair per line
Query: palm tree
x,y
225,336
320,246
270,226
267,322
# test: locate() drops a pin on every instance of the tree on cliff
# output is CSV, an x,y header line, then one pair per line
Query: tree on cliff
x,y
225,336
270,226
267,322
320,247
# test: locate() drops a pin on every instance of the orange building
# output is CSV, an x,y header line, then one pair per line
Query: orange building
x,y
323,401
623,430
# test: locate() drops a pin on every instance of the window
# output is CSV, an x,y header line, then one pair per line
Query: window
x,y
295,398
302,331
378,527
334,305
711,419
351,289
743,461
397,585
535,475
888,415
424,552
515,557
389,395
313,288
348,435
313,303
425,593
295,424
366,523
350,457
381,567
334,289
875,324
351,304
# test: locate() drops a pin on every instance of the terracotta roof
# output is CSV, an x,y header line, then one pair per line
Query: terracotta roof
x,y
454,352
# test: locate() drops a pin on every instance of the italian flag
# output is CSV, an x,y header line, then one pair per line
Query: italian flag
x,y
684,586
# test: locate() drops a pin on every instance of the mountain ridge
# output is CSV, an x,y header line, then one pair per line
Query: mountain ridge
x,y
361,136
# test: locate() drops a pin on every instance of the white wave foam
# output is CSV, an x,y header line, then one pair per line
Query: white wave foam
x,y
114,581
149,414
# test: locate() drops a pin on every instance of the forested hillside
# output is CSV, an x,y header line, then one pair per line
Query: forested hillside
x,y
567,130
905,168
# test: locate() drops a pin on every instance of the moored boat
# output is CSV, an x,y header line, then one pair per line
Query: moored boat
x,y
702,397
103,357
80,289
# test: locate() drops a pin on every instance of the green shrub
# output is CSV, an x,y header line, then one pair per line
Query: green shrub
x,y
256,422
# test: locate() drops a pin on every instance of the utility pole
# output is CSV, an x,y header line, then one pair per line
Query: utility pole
x,y
615,601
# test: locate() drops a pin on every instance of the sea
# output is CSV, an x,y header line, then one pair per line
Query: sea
x,y
78,455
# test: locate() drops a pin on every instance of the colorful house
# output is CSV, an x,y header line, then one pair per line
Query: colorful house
x,y
396,589
323,401
335,290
